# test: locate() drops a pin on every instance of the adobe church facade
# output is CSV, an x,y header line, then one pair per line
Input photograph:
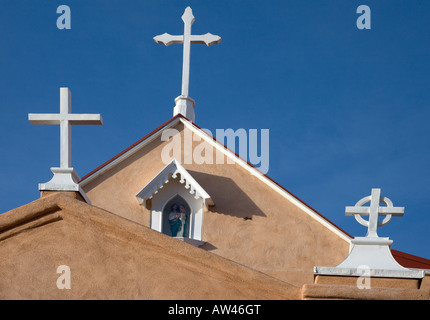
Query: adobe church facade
x,y
250,219
153,223
255,239
250,214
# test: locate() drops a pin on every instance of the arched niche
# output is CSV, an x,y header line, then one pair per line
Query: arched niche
x,y
174,181
161,204
176,217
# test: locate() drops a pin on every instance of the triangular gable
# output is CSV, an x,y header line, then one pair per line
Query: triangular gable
x,y
228,153
129,151
171,171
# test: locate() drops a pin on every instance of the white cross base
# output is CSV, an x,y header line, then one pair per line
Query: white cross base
x,y
64,179
185,106
371,253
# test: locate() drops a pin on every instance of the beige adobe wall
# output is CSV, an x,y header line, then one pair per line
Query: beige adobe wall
x,y
425,282
116,189
280,240
371,288
112,258
372,282
346,292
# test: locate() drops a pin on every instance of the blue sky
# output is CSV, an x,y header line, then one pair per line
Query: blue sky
x,y
348,109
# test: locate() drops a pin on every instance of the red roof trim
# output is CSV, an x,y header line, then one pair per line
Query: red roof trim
x,y
129,148
265,175
410,261
225,147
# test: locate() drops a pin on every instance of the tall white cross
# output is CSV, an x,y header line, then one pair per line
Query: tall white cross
x,y
374,211
65,119
186,39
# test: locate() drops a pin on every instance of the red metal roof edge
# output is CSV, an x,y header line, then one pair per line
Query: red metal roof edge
x,y
129,148
408,260
266,176
225,147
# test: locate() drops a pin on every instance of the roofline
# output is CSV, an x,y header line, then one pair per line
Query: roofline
x,y
262,176
84,180
228,152
247,165
413,261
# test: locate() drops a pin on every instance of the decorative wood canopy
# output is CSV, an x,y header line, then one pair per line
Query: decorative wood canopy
x,y
172,171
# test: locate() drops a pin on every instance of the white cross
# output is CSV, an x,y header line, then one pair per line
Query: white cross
x,y
186,39
65,119
374,211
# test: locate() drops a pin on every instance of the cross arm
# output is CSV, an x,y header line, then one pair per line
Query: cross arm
x,y
52,118
207,39
85,119
44,118
365,211
394,211
350,211
168,39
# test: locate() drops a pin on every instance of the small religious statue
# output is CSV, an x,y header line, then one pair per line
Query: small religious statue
x,y
178,220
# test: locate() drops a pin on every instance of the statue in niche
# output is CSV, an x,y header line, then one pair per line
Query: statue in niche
x,y
178,220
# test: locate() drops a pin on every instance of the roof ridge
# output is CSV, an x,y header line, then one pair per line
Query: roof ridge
x,y
249,165
188,122
130,147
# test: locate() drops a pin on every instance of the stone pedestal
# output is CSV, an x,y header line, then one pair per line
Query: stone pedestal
x,y
370,257
64,179
370,270
185,106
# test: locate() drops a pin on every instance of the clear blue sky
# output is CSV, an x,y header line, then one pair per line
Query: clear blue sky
x,y
348,110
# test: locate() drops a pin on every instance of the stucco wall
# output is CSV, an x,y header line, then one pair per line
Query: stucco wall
x,y
250,223
113,258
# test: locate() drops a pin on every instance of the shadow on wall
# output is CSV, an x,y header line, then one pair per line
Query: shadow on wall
x,y
208,246
228,197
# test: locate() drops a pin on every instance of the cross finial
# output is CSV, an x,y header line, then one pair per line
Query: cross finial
x,y
65,178
371,252
184,104
374,211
